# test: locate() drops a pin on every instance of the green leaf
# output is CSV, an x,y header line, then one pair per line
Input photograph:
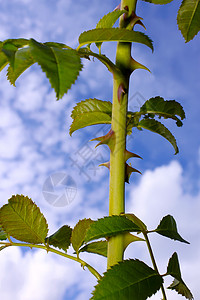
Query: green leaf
x,y
188,19
61,238
110,226
78,233
127,280
3,61
158,1
99,247
22,60
181,288
157,127
62,66
178,284
114,34
137,221
109,19
90,112
22,219
168,228
3,235
167,109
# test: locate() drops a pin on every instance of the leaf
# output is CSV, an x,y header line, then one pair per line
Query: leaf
x,y
157,127
22,60
167,109
109,19
109,226
99,247
61,238
188,19
90,112
178,284
62,66
168,228
114,34
3,61
181,289
22,219
3,235
129,279
78,233
158,1
137,221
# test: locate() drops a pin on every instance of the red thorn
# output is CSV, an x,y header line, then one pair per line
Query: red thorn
x,y
108,139
128,171
120,92
129,154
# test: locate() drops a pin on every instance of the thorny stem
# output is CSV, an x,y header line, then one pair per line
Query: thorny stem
x,y
154,262
117,156
49,249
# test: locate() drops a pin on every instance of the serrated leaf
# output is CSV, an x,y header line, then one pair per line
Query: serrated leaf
x,y
78,233
90,112
188,19
109,20
61,238
3,235
99,247
158,1
110,226
114,34
168,228
22,219
130,279
22,60
157,127
181,289
62,66
162,108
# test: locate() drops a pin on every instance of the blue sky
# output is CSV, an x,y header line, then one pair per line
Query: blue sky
x,y
35,144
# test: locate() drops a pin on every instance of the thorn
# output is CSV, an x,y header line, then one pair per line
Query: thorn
x,y
108,139
129,154
121,92
117,7
136,65
135,20
128,171
106,164
139,22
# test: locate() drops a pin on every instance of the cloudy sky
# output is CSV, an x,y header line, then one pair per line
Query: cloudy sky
x,y
35,145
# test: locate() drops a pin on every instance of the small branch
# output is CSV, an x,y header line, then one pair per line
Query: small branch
x,y
49,249
154,262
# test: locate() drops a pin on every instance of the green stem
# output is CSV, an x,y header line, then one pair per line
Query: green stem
x,y
117,156
49,249
154,262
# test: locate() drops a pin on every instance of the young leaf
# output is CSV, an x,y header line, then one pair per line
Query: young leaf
x,y
78,233
114,34
157,127
3,235
22,219
188,19
129,279
90,112
109,20
61,238
181,288
158,1
168,228
99,247
109,226
167,109
22,60
62,66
